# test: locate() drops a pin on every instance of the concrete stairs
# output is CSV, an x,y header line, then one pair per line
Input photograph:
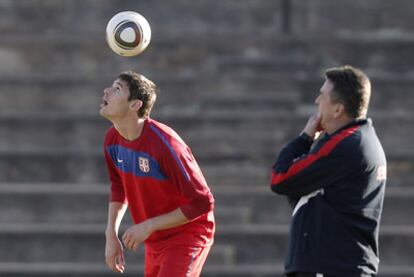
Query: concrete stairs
x,y
236,88
62,230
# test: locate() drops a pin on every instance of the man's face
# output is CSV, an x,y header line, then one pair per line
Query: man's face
x,y
115,102
326,106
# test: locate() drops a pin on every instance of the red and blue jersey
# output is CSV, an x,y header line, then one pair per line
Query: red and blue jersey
x,y
156,174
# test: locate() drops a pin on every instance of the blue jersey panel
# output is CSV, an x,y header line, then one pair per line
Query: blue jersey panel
x,y
138,163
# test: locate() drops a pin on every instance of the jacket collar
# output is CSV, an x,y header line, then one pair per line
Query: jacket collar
x,y
356,122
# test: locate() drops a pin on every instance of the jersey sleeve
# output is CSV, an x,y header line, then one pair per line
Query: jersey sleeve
x,y
298,171
181,169
117,193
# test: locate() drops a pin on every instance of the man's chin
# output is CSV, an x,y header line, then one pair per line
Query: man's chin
x,y
103,114
320,127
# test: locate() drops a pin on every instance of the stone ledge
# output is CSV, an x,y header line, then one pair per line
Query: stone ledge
x,y
228,229
101,188
219,115
99,269
76,78
233,155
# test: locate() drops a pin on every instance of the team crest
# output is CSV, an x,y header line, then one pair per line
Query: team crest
x,y
144,164
382,173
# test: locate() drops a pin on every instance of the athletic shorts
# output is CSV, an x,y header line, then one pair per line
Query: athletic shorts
x,y
175,261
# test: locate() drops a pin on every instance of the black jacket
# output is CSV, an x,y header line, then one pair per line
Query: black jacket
x,y
337,187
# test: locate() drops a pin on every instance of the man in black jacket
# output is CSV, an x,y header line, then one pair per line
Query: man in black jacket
x,y
336,183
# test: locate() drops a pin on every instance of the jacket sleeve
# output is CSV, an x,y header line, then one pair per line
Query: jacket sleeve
x,y
298,171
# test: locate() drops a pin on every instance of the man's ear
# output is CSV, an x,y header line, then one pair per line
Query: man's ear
x,y
135,105
339,110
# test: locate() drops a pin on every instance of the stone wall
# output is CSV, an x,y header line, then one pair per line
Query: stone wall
x,y
237,80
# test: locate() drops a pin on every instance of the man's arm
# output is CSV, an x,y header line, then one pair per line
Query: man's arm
x,y
168,220
297,173
185,173
114,254
138,233
307,174
116,212
182,170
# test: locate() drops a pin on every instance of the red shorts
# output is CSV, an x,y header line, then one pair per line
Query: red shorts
x,y
175,261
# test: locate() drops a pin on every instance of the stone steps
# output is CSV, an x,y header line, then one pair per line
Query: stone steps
x,y
321,17
395,242
100,270
89,55
86,243
55,203
195,19
380,18
82,243
233,204
82,94
92,57
266,207
255,130
233,84
88,166
87,134
368,53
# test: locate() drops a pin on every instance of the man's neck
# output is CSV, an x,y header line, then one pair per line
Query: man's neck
x,y
337,124
130,128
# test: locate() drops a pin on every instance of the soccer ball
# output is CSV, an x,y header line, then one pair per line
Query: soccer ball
x,y
128,33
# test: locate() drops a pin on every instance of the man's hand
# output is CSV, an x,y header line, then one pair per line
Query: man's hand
x,y
114,254
313,125
136,234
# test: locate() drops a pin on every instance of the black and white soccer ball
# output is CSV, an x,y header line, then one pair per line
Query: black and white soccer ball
x,y
128,33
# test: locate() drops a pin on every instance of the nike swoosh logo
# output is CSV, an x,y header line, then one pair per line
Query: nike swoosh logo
x,y
119,160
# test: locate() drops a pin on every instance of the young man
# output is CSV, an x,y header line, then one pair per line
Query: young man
x,y
153,173
336,185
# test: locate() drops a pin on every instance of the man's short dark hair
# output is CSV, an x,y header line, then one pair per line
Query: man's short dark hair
x,y
142,89
352,88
